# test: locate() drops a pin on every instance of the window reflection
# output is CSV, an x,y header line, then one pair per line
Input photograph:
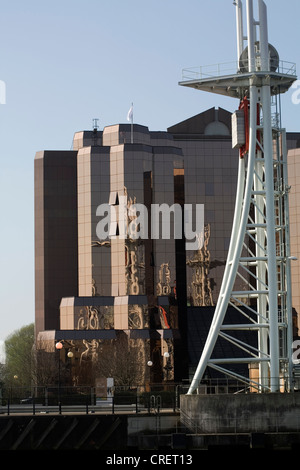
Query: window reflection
x,y
201,289
94,318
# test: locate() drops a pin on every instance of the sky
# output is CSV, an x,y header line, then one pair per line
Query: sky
x,y
67,62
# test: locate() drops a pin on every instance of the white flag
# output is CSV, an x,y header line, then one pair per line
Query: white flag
x,y
130,114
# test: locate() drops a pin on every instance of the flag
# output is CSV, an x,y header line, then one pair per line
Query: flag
x,y
130,114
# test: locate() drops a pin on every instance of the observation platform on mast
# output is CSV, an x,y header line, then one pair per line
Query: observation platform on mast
x,y
233,78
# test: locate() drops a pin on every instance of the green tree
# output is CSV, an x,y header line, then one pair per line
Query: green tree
x,y
19,368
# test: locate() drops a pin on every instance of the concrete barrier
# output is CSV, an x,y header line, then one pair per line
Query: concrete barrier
x,y
243,413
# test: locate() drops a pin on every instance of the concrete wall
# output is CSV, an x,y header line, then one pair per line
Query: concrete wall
x,y
262,413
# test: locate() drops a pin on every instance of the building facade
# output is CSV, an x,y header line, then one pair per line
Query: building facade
x,y
294,207
105,270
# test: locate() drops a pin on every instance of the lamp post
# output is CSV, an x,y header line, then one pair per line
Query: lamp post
x,y
168,366
59,346
70,355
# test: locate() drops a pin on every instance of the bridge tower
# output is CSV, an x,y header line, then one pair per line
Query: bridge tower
x,y
258,259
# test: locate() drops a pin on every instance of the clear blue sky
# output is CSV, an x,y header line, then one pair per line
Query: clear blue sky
x,y
66,62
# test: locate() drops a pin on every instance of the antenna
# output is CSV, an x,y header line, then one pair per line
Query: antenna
x,y
256,280
95,124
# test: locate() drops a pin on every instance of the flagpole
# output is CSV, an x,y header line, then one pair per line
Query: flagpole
x,y
132,123
130,118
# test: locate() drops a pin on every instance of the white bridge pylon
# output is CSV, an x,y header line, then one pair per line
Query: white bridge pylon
x,y
256,280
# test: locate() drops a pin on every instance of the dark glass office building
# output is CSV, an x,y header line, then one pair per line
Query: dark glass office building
x,y
98,284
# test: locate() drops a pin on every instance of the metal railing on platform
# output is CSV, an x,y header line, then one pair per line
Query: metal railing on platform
x,y
203,72
153,398
87,400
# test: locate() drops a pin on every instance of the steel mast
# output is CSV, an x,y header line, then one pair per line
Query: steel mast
x,y
256,278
